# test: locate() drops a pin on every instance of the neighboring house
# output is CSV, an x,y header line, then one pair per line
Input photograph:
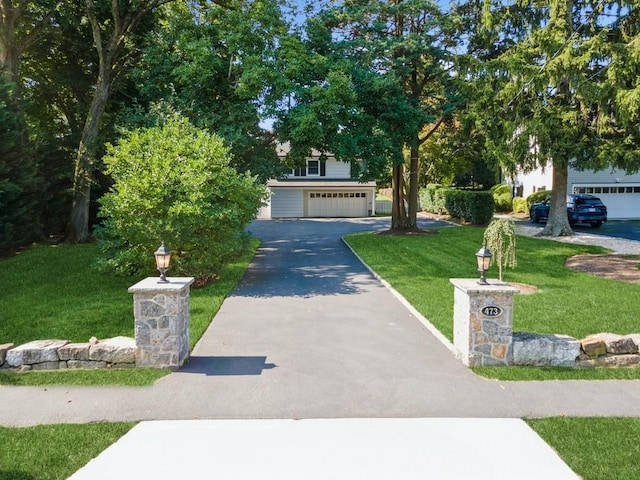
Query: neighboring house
x,y
618,191
322,188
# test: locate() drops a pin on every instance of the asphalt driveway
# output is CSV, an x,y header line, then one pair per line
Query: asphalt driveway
x,y
311,333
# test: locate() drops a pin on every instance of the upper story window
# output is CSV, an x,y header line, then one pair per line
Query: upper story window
x,y
314,168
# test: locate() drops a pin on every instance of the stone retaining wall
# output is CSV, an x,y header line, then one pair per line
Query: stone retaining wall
x,y
600,350
117,352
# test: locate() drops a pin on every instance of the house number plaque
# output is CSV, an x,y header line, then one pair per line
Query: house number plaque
x,y
491,311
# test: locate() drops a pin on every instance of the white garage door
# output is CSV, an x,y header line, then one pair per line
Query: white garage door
x,y
621,201
337,204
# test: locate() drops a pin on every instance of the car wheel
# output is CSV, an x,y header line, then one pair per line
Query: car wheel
x,y
533,217
596,224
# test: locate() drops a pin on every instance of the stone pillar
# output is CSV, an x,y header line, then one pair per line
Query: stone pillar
x,y
161,312
483,322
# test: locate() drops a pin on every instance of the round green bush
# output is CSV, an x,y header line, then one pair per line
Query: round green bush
x,y
173,183
519,205
538,197
502,197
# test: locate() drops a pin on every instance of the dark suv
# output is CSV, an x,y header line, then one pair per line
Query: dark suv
x,y
580,208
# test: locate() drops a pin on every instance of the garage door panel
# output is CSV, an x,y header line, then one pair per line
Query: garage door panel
x,y
337,204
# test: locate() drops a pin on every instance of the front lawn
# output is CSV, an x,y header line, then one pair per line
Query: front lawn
x,y
594,448
53,292
567,302
54,452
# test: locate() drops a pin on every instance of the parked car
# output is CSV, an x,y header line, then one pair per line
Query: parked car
x,y
580,208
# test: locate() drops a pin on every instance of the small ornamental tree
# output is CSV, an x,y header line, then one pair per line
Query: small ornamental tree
x,y
173,183
500,238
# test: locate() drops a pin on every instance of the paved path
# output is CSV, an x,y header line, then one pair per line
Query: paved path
x,y
310,333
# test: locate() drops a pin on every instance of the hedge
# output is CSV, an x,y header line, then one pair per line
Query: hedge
x,y
470,206
432,199
502,197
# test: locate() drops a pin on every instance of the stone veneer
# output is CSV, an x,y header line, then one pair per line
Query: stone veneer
x,y
482,323
161,312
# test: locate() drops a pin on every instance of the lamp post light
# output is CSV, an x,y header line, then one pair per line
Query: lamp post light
x,y
163,258
484,262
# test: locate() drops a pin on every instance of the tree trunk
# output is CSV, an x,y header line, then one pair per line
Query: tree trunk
x,y
414,166
78,226
558,221
399,218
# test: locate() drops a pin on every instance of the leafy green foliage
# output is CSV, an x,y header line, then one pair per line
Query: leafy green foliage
x,y
214,71
470,206
502,197
519,205
18,181
500,238
369,80
433,199
174,183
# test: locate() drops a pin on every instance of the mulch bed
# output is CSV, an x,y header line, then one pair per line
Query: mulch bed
x,y
616,267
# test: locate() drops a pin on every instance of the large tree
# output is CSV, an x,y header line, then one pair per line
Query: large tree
x,y
548,97
212,65
363,82
114,34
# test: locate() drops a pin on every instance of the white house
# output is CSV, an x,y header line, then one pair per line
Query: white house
x,y
322,188
618,191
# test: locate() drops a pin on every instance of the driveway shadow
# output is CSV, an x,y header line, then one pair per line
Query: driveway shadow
x,y
222,366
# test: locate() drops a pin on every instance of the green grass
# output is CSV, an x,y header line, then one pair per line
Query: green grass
x,y
128,377
568,302
54,452
594,448
556,373
54,292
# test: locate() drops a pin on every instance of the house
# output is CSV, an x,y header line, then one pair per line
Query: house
x,y
322,188
618,191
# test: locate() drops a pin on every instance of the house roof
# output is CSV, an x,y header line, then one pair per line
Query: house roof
x,y
320,183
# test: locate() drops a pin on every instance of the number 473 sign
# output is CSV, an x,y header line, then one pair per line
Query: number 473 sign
x,y
491,311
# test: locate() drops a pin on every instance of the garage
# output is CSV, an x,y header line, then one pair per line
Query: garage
x,y
622,201
337,204
334,198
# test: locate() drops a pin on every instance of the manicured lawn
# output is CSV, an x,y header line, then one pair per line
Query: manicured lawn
x,y
54,292
54,452
594,448
567,302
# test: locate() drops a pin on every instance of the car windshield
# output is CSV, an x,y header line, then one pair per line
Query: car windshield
x,y
594,202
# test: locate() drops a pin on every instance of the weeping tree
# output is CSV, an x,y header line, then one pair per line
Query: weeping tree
x,y
556,94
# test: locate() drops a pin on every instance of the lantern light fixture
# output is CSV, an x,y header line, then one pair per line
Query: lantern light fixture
x,y
163,258
483,256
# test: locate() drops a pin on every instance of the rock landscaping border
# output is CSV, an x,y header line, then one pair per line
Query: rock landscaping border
x,y
117,352
600,350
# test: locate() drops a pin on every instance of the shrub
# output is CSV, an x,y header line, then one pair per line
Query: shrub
x,y
433,199
174,183
538,197
502,197
500,238
519,205
470,206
